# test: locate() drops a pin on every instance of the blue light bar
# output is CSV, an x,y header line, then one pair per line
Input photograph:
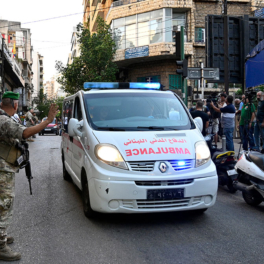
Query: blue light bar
x,y
101,85
152,86
117,85
181,163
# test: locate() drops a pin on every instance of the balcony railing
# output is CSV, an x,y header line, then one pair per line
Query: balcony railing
x,y
124,2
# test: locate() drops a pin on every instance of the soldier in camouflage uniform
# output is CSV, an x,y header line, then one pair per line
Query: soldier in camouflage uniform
x,y
29,121
11,132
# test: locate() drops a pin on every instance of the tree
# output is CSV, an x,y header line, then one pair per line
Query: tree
x,y
43,104
95,63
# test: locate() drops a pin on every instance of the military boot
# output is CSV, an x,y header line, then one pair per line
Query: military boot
x,y
7,254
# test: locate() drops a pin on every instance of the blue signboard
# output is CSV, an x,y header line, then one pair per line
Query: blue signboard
x,y
137,52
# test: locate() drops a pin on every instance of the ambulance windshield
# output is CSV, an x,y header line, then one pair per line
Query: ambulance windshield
x,y
136,111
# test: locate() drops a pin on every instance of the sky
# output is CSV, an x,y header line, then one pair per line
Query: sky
x,y
52,37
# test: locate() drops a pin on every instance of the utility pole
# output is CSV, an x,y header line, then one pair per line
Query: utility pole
x,y
226,59
202,80
184,81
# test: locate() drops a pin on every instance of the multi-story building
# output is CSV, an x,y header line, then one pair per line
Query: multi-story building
x,y
19,39
75,47
37,68
143,33
53,89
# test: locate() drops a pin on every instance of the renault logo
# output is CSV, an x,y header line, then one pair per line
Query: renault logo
x,y
163,167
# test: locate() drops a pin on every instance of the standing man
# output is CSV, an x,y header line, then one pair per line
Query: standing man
x,y
12,133
29,121
246,120
238,113
200,113
35,120
228,121
259,126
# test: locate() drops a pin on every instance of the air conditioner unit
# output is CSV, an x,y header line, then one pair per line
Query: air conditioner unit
x,y
197,96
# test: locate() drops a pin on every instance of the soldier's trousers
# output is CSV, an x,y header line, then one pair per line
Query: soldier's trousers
x,y
7,195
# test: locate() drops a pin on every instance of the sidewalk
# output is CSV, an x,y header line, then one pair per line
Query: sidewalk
x,y
236,145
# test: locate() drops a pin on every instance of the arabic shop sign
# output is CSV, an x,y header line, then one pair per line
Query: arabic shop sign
x,y
137,52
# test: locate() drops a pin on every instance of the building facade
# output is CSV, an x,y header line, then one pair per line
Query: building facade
x,y
18,54
38,76
53,89
75,47
143,33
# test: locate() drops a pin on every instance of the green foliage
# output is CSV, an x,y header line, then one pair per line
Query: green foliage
x,y
43,104
95,63
239,92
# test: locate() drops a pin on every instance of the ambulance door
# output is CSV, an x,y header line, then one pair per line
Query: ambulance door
x,y
66,139
77,149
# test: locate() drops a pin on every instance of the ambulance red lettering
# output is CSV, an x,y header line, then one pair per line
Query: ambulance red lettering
x,y
164,150
187,151
143,151
151,151
135,150
179,151
172,150
159,152
128,152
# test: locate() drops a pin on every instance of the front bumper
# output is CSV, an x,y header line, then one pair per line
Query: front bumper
x,y
50,130
129,197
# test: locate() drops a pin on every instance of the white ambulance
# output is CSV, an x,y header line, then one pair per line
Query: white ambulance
x,y
134,148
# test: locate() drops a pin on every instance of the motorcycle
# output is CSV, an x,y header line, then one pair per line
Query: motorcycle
x,y
225,163
250,180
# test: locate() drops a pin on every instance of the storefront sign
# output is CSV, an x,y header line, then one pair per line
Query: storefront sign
x,y
137,52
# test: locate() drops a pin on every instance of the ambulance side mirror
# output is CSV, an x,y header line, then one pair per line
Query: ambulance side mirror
x,y
199,123
73,127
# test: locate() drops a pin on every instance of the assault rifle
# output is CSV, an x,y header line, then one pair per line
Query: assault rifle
x,y
24,162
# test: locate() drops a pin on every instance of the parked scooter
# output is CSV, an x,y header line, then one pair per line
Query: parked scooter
x,y
250,180
225,163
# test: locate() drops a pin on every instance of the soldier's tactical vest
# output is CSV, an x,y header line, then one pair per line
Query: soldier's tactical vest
x,y
9,153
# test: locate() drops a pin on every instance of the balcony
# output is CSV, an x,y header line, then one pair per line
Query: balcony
x,y
124,8
124,2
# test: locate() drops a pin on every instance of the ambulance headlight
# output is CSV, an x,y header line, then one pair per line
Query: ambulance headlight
x,y
202,153
110,155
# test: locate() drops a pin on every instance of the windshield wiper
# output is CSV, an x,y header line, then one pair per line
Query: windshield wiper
x,y
152,127
111,128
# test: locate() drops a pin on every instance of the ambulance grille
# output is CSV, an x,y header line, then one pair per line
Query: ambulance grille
x,y
164,183
189,164
143,204
144,166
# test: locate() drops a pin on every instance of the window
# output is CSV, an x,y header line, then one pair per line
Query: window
x,y
200,35
67,114
175,81
138,30
77,109
179,19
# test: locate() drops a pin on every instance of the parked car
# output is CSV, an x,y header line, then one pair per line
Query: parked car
x,y
51,128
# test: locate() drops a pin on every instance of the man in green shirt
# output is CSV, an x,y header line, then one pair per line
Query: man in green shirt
x,y
246,120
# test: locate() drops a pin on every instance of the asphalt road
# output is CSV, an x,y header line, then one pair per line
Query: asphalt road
x,y
50,227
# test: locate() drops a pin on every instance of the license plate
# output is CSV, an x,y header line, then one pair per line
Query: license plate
x,y
165,194
231,172
47,129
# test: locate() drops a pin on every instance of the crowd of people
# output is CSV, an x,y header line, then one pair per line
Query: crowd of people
x,y
222,115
